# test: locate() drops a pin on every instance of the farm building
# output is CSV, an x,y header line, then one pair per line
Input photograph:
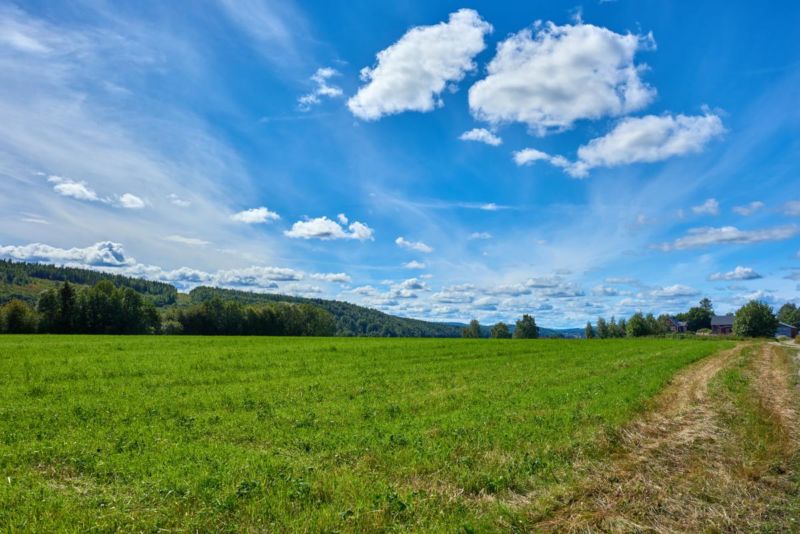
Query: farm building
x,y
676,326
722,324
786,330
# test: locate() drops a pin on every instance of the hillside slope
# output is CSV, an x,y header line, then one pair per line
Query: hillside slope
x,y
25,281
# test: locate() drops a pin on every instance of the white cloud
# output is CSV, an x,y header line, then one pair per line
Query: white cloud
x,y
178,201
480,235
327,229
622,280
339,278
256,276
255,216
749,209
322,89
419,246
414,264
412,73
543,282
73,189
792,208
703,237
527,156
605,291
481,135
34,220
739,273
709,207
561,75
647,139
674,292
102,254
191,241
412,284
343,218
131,201
81,191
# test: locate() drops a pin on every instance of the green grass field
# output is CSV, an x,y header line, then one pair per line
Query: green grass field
x,y
277,434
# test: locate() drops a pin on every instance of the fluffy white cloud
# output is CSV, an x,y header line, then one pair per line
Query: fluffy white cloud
x,y
412,73
739,273
543,282
647,139
481,135
131,201
674,292
412,284
256,276
255,216
322,88
703,237
560,75
605,291
419,246
327,229
191,241
709,207
508,290
527,156
339,278
414,264
81,191
73,189
103,254
480,235
749,209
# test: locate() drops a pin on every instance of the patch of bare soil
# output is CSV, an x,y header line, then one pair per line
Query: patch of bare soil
x,y
679,468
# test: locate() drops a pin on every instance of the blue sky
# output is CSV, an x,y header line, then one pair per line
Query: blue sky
x,y
438,160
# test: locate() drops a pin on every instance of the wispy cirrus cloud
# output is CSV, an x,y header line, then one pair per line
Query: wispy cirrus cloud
x,y
322,88
749,209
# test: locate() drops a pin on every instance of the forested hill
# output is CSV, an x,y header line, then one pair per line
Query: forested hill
x,y
24,281
27,281
351,319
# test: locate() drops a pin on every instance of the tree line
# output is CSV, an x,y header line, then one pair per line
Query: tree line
x,y
754,319
101,309
107,309
351,319
525,328
218,317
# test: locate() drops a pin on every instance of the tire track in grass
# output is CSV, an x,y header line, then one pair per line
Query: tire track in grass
x,y
685,466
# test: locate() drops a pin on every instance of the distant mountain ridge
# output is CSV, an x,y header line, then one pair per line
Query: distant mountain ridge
x,y
543,331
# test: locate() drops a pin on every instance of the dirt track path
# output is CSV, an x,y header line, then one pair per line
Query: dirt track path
x,y
682,467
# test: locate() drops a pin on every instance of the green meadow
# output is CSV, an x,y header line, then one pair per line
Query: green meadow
x,y
308,434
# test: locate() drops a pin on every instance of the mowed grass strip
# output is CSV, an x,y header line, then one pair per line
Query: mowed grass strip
x,y
306,434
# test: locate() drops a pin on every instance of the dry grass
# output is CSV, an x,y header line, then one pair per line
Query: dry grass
x,y
713,455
